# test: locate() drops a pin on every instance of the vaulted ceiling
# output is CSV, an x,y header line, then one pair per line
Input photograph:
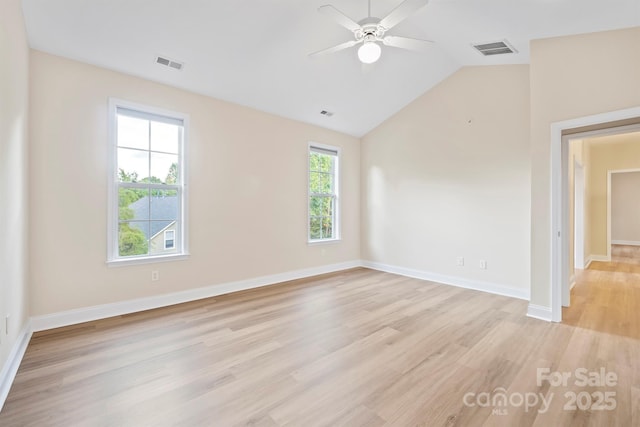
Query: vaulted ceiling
x,y
255,52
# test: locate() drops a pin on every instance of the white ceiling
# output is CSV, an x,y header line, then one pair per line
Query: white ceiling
x,y
254,52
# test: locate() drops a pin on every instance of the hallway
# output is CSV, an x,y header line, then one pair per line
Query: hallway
x,y
606,297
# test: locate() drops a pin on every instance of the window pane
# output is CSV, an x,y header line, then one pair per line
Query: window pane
x,y
315,206
321,206
315,225
133,133
327,227
157,240
327,206
320,162
320,183
164,167
315,182
133,204
314,161
325,162
164,205
132,238
133,165
327,183
165,137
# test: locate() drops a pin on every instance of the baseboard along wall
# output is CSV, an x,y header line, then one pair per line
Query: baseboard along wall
x,y
87,314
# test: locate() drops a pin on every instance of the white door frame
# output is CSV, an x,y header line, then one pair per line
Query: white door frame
x,y
559,249
578,214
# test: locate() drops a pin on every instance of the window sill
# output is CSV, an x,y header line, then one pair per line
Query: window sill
x,y
323,242
146,260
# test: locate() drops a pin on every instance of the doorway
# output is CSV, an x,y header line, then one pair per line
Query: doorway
x,y
561,132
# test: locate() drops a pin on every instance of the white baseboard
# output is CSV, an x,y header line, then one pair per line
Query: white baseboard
x,y
625,242
539,312
450,280
72,317
587,262
603,258
10,368
572,281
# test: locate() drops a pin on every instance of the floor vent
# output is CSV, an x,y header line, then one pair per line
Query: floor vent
x,y
169,63
495,48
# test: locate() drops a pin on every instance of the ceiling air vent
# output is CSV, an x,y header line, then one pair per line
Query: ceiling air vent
x,y
495,48
169,63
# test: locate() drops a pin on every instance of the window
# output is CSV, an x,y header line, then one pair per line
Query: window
x,y
323,193
169,241
147,204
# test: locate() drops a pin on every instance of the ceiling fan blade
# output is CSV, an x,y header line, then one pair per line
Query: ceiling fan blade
x,y
336,48
402,12
339,17
407,43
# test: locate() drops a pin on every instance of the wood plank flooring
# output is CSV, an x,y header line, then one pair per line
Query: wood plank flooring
x,y
356,348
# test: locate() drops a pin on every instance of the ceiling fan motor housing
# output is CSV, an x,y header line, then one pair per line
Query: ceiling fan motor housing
x,y
370,30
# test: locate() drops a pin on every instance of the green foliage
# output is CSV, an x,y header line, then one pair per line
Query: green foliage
x,y
320,162
321,217
172,176
127,177
321,167
126,196
320,173
131,241
125,214
152,180
320,228
321,206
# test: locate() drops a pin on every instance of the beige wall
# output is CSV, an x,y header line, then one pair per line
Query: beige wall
x,y
571,77
625,207
247,190
617,152
448,176
14,215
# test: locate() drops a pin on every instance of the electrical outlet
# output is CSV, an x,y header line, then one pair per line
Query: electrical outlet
x,y
483,264
155,275
460,261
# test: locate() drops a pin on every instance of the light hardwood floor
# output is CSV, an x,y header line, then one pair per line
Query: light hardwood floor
x,y
357,348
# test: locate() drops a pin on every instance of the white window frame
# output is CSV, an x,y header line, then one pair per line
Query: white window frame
x,y
173,239
113,258
336,194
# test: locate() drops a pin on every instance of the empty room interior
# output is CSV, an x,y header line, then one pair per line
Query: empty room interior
x,y
344,213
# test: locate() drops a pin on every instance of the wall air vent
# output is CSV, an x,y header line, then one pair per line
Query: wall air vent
x,y
169,63
495,48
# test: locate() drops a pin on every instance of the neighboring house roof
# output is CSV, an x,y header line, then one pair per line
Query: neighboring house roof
x,y
164,211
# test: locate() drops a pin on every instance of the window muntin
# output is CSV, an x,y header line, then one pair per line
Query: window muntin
x,y
148,177
323,193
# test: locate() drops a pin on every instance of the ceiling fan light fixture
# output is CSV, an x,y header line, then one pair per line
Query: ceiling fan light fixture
x,y
369,52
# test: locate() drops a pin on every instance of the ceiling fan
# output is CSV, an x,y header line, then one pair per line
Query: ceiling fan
x,y
370,32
